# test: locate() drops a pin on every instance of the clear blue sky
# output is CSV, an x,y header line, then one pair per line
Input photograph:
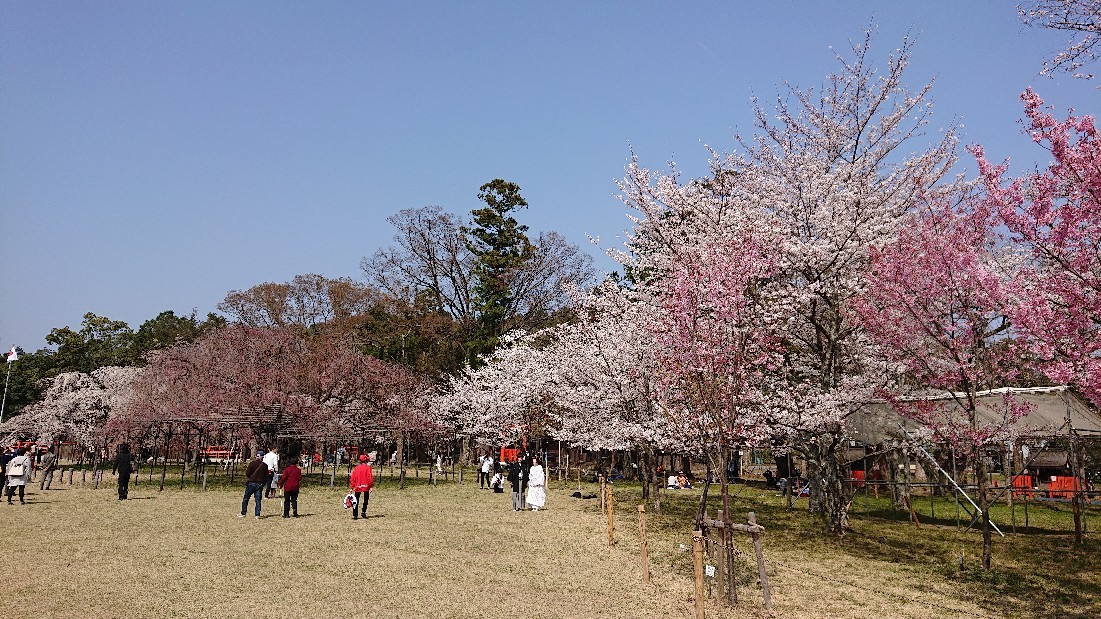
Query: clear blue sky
x,y
156,155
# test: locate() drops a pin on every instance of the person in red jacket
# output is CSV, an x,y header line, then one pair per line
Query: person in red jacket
x,y
289,482
361,481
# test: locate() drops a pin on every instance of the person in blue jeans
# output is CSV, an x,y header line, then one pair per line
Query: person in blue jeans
x,y
256,473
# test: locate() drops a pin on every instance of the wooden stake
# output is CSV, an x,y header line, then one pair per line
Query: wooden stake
x,y
762,574
697,557
603,495
642,539
611,518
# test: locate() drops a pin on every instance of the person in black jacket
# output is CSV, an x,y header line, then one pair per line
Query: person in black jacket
x,y
124,466
517,476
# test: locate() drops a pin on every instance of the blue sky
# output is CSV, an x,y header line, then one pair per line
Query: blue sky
x,y
154,156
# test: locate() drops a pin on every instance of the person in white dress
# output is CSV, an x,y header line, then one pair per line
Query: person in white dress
x,y
537,486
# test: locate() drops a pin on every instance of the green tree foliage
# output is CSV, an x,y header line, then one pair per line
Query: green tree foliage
x,y
99,342
501,247
23,380
168,329
416,335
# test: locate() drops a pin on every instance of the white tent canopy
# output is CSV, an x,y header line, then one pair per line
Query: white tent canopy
x,y
1055,411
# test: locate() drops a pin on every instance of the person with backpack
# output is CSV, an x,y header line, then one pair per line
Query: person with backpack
x,y
361,481
19,474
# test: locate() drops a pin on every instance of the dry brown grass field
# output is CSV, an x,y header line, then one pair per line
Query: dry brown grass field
x,y
455,551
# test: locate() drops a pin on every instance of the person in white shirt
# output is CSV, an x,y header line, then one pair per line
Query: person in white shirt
x,y
483,473
272,460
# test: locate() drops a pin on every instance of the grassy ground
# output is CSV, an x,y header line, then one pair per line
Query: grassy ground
x,y
454,551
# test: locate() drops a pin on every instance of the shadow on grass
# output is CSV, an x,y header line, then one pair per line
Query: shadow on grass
x,y
1037,572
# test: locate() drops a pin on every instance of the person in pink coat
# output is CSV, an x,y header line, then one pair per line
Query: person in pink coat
x,y
361,481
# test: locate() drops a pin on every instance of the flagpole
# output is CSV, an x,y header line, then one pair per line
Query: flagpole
x,y
13,355
4,402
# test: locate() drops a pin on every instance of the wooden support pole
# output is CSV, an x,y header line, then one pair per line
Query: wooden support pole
x,y
642,542
762,574
611,518
697,561
603,495
204,481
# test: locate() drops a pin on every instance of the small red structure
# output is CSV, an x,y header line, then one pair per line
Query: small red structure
x,y
1063,487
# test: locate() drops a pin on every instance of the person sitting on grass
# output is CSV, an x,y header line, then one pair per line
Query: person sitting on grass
x,y
682,481
672,483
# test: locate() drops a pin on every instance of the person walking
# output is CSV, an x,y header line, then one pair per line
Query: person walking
x,y
519,482
256,475
124,466
483,473
271,459
537,485
47,466
8,454
19,473
361,481
289,482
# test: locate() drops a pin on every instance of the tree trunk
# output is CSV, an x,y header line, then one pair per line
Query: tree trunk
x,y
830,496
728,533
897,467
401,460
984,505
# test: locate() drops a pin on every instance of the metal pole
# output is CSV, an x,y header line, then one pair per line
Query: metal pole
x,y
5,400
950,479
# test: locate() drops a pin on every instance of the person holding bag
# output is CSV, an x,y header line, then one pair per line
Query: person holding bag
x,y
361,481
19,474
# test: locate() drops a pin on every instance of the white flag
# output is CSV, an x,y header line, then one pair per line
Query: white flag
x,y
13,355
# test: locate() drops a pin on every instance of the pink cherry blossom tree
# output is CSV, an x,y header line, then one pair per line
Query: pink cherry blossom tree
x,y
278,379
832,171
1054,215
936,304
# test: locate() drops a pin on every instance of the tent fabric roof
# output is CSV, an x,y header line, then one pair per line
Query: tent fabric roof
x,y
877,422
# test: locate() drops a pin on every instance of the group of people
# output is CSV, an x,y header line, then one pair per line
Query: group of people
x,y
17,469
263,478
679,481
525,475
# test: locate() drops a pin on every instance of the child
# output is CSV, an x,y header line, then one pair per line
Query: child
x,y
289,481
498,482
